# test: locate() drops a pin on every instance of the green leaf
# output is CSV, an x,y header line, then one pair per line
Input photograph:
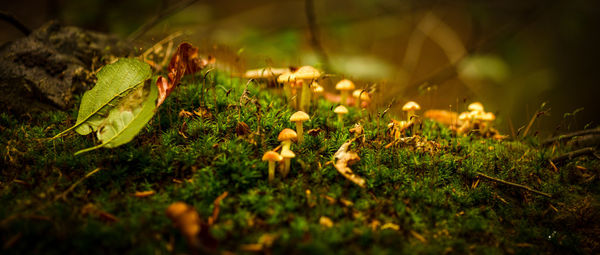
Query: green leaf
x,y
126,120
115,81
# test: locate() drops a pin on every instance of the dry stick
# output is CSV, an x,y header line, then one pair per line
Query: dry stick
x,y
165,13
11,19
573,154
64,194
490,178
533,118
569,135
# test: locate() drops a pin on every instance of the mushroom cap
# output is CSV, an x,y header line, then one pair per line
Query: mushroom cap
x,y
287,154
464,116
267,72
307,72
287,134
411,106
299,116
488,116
317,88
365,96
286,77
345,84
272,156
177,209
475,106
340,109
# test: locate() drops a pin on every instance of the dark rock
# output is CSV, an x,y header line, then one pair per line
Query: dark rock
x,y
46,69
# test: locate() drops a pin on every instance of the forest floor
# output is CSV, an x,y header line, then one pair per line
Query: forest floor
x,y
425,197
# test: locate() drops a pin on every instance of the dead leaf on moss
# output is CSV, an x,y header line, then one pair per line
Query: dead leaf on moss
x,y
343,158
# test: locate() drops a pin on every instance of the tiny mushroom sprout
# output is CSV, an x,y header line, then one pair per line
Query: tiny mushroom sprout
x,y
285,137
186,219
307,74
287,155
272,157
317,91
299,117
340,111
344,86
410,108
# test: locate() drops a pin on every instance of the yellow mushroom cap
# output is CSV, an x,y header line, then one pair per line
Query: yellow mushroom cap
x,y
317,88
363,95
287,154
340,110
464,116
489,116
307,72
286,77
299,116
287,134
411,106
345,84
476,106
177,209
267,72
272,156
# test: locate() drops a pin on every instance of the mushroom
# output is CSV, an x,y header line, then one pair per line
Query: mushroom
x,y
308,74
265,73
317,91
287,155
410,108
286,136
299,117
287,79
272,157
340,111
361,96
475,107
344,86
186,219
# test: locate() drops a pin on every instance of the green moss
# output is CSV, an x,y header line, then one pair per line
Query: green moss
x,y
195,159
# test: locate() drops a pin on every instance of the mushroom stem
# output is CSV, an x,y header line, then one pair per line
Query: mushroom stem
x,y
344,97
305,96
286,166
287,91
341,119
285,145
271,170
299,131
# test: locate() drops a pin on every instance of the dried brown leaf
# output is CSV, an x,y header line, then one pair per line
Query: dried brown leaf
x,y
343,157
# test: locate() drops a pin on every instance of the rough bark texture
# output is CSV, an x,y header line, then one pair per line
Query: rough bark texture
x,y
47,68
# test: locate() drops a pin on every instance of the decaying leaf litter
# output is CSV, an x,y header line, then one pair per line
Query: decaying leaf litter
x,y
412,184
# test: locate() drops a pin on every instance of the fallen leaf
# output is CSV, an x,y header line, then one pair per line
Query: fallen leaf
x,y
184,61
390,225
344,157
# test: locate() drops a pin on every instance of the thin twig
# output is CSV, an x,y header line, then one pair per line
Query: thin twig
x,y
573,154
494,179
11,19
569,135
163,14
66,192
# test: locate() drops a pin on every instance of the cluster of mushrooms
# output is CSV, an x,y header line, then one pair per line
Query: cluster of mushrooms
x,y
301,88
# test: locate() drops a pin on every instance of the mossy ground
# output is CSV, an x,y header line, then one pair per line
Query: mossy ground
x,y
431,197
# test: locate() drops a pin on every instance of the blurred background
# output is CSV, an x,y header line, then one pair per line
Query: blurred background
x,y
510,55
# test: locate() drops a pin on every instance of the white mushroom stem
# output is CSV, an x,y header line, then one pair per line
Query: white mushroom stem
x,y
410,114
271,170
287,91
299,131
